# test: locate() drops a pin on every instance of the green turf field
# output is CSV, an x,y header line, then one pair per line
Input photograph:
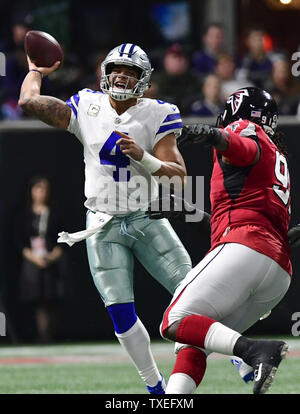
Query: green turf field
x,y
103,368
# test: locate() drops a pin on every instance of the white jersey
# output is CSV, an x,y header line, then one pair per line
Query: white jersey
x,y
114,182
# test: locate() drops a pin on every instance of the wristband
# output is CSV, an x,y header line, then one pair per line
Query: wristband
x,y
36,70
152,164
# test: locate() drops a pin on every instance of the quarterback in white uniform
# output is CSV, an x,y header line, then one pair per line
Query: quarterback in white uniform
x,y
107,170
127,140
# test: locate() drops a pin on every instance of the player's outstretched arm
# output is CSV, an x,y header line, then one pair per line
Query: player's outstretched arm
x,y
48,109
237,151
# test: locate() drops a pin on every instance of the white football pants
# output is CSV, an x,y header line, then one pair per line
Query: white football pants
x,y
233,284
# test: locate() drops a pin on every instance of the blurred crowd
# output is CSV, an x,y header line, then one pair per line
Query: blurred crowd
x,y
198,81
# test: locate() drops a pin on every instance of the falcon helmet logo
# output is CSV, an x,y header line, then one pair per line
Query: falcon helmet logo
x,y
236,99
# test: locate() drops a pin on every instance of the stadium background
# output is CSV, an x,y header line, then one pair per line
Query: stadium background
x,y
27,148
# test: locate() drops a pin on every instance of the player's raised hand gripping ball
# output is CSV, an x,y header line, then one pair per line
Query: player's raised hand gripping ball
x,y
42,49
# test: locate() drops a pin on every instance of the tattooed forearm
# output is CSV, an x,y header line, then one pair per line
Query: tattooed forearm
x,y
48,109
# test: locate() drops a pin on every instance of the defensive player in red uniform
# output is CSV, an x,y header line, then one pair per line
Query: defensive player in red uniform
x,y
247,270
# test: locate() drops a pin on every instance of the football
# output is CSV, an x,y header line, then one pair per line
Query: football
x,y
42,48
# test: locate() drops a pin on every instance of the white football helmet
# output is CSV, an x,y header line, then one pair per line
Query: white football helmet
x,y
130,55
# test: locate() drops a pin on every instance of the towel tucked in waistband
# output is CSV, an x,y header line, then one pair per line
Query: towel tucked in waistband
x,y
70,238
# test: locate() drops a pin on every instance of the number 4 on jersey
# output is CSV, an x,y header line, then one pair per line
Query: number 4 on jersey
x,y
118,159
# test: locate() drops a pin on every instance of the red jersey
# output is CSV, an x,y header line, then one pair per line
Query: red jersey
x,y
251,204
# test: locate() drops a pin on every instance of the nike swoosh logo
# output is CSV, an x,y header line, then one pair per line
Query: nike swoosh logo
x,y
258,375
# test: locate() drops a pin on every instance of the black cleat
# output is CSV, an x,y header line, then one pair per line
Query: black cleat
x,y
265,357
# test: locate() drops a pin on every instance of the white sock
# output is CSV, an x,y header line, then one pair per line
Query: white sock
x,y
136,342
180,383
242,367
220,338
